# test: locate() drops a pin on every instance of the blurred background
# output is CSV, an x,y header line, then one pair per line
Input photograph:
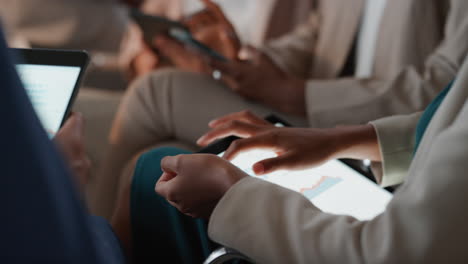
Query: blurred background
x,y
105,29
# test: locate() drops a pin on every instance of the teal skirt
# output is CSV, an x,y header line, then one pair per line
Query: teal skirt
x,y
160,233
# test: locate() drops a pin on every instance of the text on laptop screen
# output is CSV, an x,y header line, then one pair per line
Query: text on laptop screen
x,y
49,89
333,187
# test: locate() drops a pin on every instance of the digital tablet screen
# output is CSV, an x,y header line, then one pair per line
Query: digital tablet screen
x,y
333,187
50,89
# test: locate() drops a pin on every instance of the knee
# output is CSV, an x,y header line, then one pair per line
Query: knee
x,y
159,82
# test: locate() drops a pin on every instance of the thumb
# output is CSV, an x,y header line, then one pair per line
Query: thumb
x,y
162,184
231,44
270,165
77,123
73,129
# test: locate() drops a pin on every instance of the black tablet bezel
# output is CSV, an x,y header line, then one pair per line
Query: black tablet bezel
x,y
73,58
222,144
154,25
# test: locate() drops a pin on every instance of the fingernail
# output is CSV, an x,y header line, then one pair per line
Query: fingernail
x,y
199,141
258,168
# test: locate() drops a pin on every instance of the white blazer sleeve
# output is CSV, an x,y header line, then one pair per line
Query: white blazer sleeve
x,y
424,223
396,137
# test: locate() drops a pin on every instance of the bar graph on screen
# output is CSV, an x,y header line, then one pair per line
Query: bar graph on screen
x,y
321,186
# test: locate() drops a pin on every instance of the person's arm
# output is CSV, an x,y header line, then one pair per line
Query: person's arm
x,y
297,148
270,224
424,223
300,148
44,219
409,91
389,141
71,143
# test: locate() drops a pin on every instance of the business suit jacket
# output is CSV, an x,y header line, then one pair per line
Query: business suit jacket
x,y
424,223
420,48
279,17
43,218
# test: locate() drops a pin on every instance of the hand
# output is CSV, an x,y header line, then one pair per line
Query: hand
x,y
70,140
212,27
299,148
262,81
144,62
296,148
182,57
194,184
241,124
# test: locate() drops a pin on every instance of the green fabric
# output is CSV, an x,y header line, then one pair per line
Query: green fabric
x,y
160,233
429,114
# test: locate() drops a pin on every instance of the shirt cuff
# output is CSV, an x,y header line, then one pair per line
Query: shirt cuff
x,y
396,143
217,224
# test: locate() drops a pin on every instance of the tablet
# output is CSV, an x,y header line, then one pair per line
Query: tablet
x,y
51,79
334,187
153,26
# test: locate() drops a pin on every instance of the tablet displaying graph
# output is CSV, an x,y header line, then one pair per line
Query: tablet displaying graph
x,y
334,187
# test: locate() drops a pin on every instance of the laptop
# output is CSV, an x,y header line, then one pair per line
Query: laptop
x,y
52,80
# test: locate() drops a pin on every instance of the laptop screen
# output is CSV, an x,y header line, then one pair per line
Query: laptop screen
x,y
50,89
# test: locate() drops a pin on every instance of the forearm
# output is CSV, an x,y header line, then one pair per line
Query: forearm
x,y
356,142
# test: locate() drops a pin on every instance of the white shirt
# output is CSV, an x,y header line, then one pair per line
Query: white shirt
x,y
368,35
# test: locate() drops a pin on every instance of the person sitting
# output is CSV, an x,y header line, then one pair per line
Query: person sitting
x,y
425,152
297,78
43,217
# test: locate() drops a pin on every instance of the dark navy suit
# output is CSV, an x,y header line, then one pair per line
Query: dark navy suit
x,y
42,218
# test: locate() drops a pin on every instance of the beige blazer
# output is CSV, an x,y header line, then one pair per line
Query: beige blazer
x,y
424,223
420,48
281,17
397,141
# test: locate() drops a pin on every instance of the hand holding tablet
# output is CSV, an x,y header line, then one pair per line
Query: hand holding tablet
x,y
154,26
51,79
